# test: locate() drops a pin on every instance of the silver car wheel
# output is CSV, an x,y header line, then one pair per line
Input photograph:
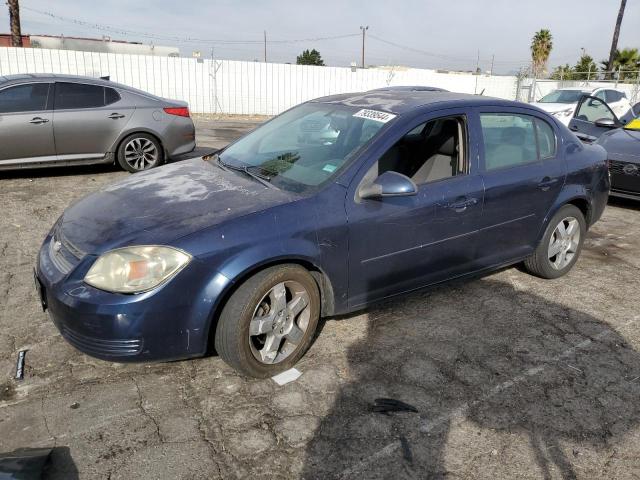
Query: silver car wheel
x,y
564,243
141,153
279,322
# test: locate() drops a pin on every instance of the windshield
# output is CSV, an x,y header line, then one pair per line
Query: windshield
x,y
563,96
305,146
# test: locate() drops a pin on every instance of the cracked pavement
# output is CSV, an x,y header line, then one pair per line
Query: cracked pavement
x,y
512,376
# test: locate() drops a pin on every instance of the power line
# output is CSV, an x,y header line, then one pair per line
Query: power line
x,y
122,31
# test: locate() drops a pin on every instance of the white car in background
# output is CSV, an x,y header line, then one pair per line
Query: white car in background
x,y
562,103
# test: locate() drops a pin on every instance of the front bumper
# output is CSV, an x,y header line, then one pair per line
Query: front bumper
x,y
169,323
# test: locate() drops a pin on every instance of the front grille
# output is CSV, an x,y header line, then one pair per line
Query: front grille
x,y
64,254
624,168
99,347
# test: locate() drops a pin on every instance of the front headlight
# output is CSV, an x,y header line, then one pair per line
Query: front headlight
x,y
136,269
563,113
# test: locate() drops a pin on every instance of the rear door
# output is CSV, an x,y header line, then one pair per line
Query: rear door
x,y
26,127
589,110
87,119
523,171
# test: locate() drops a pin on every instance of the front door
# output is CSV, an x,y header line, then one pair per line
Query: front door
x,y
398,244
26,126
588,112
523,171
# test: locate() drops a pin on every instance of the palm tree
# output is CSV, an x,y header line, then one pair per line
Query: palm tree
x,y
628,61
616,34
14,20
541,46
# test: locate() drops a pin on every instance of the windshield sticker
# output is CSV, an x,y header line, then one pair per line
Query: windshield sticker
x,y
329,168
382,117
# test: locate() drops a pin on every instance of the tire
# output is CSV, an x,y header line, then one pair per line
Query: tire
x,y
541,263
254,308
140,151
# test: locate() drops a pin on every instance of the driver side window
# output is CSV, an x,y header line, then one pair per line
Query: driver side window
x,y
592,109
432,151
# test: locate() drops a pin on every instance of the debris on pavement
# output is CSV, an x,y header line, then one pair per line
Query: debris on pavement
x,y
386,405
287,376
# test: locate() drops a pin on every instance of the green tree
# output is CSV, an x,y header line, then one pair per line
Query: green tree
x,y
563,72
541,46
310,57
627,61
585,69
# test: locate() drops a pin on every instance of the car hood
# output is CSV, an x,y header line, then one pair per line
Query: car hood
x,y
621,145
554,107
161,205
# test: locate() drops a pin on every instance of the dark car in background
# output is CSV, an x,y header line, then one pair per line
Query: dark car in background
x,y
56,120
245,249
595,122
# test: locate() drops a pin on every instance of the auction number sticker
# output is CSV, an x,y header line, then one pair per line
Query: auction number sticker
x,y
382,117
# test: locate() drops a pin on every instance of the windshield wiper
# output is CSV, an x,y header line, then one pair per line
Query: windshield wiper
x,y
263,179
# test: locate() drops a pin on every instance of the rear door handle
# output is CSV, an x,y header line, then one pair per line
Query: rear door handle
x,y
38,120
547,183
115,116
462,204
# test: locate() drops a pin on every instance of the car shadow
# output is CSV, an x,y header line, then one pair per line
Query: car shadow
x,y
63,171
482,354
624,203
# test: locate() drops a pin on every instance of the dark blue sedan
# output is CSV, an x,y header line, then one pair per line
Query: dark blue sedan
x,y
335,204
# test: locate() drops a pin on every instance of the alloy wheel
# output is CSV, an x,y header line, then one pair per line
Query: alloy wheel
x,y
141,153
564,243
279,322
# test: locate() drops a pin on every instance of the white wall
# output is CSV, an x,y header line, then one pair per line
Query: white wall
x,y
233,87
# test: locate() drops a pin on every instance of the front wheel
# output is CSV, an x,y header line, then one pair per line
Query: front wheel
x,y
561,244
269,322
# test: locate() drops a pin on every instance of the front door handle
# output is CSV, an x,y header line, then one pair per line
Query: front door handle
x,y
38,120
547,183
115,116
461,205
573,128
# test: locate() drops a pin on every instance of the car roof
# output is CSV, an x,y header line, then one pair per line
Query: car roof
x,y
399,101
52,77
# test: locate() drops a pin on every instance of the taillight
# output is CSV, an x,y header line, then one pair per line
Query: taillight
x,y
179,111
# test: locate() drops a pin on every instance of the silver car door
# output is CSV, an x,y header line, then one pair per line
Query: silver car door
x,y
88,119
26,126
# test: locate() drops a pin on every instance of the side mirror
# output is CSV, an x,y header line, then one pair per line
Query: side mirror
x,y
606,123
389,184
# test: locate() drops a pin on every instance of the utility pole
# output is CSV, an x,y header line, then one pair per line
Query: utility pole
x,y
14,21
364,29
616,35
265,46
493,57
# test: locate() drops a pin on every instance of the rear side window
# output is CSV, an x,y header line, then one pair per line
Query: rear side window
x,y
31,97
546,139
509,140
78,95
613,96
110,96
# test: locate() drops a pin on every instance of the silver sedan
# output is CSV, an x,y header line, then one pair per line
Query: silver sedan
x,y
54,120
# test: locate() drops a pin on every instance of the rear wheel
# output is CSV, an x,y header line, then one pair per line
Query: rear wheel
x,y
561,245
269,321
138,152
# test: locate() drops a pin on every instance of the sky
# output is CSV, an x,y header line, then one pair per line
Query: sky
x,y
427,33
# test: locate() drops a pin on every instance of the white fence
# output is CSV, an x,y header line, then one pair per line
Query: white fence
x,y
249,88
